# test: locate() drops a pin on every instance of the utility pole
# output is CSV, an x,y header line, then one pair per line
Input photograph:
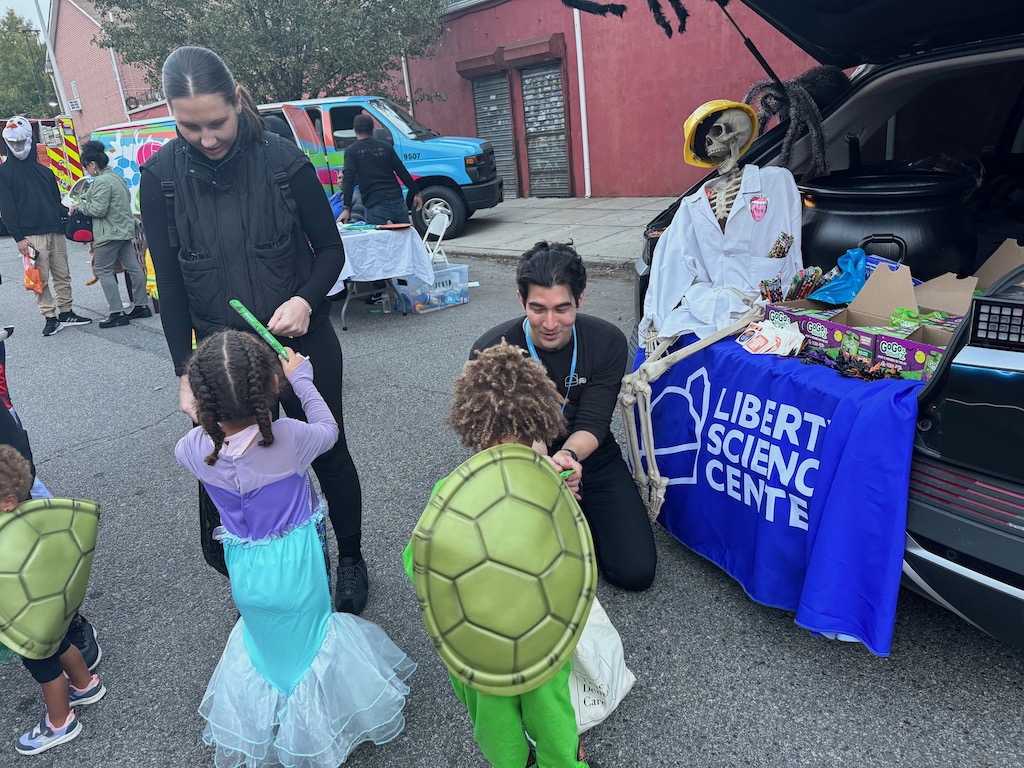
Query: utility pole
x,y
65,107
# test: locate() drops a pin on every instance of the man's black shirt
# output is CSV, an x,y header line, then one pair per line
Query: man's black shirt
x,y
372,164
600,366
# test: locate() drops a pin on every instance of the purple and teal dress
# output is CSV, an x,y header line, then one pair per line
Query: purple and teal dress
x,y
297,684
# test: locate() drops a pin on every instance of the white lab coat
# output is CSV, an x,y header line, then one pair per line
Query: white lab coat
x,y
696,265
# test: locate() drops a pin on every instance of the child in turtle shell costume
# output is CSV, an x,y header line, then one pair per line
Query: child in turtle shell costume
x,y
504,400
36,626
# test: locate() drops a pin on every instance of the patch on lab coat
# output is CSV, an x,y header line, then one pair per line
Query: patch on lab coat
x,y
758,207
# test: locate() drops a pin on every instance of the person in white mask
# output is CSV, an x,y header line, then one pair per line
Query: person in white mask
x,y
31,209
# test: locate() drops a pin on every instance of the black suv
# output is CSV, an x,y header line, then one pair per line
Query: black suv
x,y
936,78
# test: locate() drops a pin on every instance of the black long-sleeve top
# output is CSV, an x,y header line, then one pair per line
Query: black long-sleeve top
x,y
373,164
600,365
317,223
29,198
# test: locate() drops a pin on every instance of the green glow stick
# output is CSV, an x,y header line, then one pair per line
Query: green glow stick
x,y
259,327
565,473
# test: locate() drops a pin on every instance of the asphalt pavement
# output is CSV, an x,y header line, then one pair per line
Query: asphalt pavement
x,y
721,680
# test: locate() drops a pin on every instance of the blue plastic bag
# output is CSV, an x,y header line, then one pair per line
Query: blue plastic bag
x,y
842,289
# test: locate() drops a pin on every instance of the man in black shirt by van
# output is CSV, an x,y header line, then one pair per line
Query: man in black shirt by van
x,y
372,164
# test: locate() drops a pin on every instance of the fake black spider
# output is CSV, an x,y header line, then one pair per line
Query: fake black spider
x,y
603,9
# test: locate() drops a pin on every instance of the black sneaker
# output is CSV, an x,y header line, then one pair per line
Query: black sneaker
x,y
51,327
140,312
115,320
353,585
82,635
70,318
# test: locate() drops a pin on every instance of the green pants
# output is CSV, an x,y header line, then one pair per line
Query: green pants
x,y
545,712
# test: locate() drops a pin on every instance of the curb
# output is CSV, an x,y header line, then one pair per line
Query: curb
x,y
493,254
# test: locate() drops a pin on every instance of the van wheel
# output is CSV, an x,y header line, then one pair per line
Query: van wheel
x,y
441,200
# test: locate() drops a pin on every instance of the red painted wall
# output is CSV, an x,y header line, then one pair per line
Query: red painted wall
x,y
83,62
640,85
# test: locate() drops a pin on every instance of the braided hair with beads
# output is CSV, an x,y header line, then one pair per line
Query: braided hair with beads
x,y
234,376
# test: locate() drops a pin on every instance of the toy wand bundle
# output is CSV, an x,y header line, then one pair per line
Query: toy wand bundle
x,y
259,327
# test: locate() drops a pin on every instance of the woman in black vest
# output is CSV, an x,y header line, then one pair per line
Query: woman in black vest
x,y
232,211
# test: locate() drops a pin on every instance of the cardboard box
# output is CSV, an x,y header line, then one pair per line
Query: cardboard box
x,y
853,332
450,288
915,357
857,329
787,312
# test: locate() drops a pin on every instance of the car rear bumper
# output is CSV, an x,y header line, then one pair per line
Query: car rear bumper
x,y
487,194
974,570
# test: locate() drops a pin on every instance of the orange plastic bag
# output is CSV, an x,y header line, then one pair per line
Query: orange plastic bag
x,y
33,282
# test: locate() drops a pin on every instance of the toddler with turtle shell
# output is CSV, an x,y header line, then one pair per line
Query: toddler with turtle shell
x,y
504,402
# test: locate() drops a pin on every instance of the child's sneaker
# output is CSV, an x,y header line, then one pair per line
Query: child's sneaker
x,y
82,635
93,693
44,735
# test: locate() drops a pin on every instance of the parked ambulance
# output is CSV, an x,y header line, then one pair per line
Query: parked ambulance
x,y
456,175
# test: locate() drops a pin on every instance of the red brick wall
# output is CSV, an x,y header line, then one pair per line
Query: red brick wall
x,y
641,85
89,67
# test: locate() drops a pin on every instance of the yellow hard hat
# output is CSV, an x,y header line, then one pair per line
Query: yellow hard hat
x,y
702,113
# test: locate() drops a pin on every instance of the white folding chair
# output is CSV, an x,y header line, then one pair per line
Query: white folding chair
x,y
437,227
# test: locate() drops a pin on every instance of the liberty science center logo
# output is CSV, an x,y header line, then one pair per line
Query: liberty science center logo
x,y
748,449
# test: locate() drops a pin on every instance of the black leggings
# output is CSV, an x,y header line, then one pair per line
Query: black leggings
x,y
334,469
45,670
619,524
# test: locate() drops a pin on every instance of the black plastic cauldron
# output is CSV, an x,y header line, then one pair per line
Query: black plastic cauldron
x,y
915,216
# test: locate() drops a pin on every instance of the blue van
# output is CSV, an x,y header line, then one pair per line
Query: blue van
x,y
457,175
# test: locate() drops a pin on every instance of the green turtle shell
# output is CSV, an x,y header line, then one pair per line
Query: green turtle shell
x,y
505,571
46,548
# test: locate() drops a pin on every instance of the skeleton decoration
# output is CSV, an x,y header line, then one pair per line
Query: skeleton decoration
x,y
728,136
694,288
603,9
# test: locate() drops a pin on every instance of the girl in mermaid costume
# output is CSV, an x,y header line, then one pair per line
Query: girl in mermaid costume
x,y
297,684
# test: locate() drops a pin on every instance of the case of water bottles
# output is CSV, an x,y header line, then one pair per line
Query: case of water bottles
x,y
450,288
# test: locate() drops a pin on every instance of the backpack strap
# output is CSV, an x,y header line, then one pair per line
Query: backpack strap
x,y
165,162
277,166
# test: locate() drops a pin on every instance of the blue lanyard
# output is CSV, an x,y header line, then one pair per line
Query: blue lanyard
x,y
535,356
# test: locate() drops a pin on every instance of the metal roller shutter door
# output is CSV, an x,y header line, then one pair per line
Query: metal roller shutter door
x,y
494,124
544,113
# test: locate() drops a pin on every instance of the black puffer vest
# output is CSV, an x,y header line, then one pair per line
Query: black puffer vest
x,y
238,232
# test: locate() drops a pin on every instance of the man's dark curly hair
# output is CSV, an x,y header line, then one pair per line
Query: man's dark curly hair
x,y
15,474
505,395
232,377
550,264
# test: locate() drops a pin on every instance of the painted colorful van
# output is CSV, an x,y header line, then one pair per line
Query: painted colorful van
x,y
457,175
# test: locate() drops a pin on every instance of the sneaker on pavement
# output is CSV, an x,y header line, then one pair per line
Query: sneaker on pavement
x,y
51,327
140,312
70,318
82,635
115,320
90,695
353,585
44,736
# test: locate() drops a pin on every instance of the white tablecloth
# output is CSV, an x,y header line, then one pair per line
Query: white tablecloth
x,y
379,254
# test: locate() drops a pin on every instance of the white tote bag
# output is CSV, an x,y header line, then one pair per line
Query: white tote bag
x,y
600,678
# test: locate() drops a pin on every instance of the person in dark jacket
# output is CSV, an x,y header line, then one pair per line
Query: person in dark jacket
x,y
372,164
232,211
30,208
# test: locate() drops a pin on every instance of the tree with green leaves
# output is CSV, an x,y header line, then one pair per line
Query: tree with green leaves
x,y
285,49
24,87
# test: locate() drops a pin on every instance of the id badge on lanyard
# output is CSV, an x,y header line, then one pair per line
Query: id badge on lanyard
x,y
572,369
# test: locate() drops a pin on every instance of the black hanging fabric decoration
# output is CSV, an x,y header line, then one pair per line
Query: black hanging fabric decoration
x,y
597,9
603,9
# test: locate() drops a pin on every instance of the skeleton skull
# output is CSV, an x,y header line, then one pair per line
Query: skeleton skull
x,y
729,134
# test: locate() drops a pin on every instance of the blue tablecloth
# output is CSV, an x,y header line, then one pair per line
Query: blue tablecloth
x,y
793,479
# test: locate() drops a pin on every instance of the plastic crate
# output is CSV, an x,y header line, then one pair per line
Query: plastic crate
x,y
450,288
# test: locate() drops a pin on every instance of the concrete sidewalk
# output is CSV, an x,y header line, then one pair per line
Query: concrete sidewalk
x,y
605,230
